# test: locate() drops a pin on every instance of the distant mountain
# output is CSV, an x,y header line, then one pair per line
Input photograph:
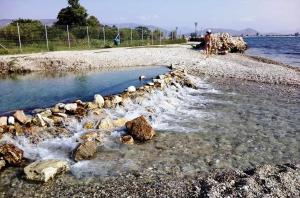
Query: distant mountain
x,y
248,31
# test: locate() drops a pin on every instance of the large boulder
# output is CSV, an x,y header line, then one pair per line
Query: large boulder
x,y
45,170
11,154
71,108
140,129
85,151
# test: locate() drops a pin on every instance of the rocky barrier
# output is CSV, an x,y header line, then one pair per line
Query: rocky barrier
x,y
224,43
52,122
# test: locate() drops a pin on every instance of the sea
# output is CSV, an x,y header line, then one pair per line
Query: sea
x,y
282,49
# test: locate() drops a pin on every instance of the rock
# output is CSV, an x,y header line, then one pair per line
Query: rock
x,y
108,104
48,121
71,108
60,105
46,113
11,120
91,105
63,115
2,164
140,129
150,83
45,170
99,100
128,139
21,117
11,154
80,103
131,89
91,136
40,120
117,100
85,151
55,110
80,112
3,121
106,123
18,130
120,122
88,125
142,77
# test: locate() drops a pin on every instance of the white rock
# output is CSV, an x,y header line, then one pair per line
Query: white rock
x,y
161,77
63,115
2,164
71,107
131,89
11,120
45,170
60,105
99,100
46,113
142,77
40,120
49,121
117,100
150,83
106,123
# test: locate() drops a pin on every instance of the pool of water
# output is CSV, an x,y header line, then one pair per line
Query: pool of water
x,y
38,90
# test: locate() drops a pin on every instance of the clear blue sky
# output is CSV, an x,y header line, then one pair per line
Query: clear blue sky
x,y
263,15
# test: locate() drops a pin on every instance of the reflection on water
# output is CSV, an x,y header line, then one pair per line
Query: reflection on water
x,y
38,90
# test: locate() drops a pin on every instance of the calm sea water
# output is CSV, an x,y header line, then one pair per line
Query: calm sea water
x,y
283,49
38,90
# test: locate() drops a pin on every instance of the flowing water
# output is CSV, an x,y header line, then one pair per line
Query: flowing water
x,y
39,90
283,49
218,125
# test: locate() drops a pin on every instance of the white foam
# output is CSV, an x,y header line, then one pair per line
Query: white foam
x,y
174,109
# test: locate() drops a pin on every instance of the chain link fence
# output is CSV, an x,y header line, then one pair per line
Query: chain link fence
x,y
27,38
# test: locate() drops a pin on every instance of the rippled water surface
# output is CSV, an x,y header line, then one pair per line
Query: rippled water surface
x,y
283,49
218,125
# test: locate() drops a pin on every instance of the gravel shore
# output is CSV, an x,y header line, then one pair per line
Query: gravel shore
x,y
229,66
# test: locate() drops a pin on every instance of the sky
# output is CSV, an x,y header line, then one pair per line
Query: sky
x,y
262,15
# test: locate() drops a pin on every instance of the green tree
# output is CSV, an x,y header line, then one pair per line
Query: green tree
x,y
143,30
92,21
30,31
74,14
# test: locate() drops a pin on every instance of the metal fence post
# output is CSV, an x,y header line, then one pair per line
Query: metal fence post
x,y
46,35
88,36
152,36
159,37
20,44
104,35
130,36
68,37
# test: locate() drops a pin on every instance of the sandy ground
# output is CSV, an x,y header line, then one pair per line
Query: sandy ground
x,y
231,66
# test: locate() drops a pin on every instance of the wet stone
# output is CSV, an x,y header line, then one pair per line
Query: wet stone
x,y
85,151
11,154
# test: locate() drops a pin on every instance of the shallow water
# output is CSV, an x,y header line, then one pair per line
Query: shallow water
x,y
38,90
282,49
216,126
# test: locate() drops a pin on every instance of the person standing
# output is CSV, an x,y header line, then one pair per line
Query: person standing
x,y
208,43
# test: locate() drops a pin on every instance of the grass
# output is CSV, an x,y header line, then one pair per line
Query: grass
x,y
79,44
